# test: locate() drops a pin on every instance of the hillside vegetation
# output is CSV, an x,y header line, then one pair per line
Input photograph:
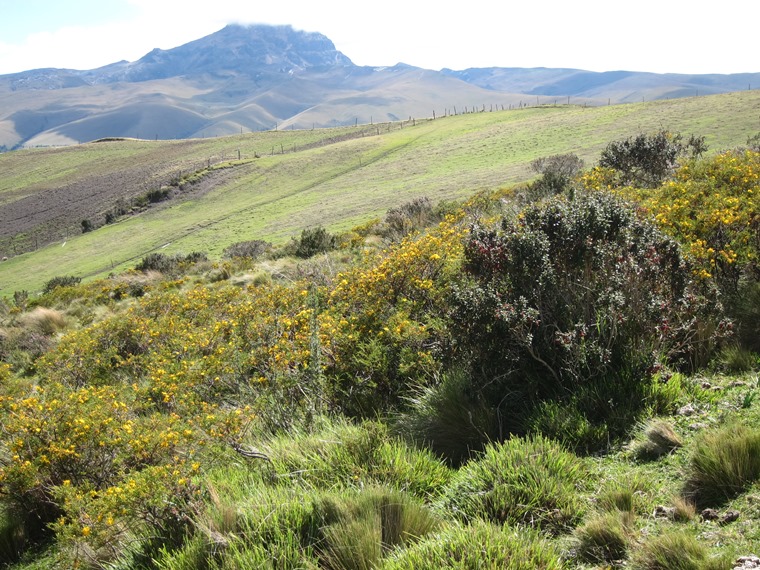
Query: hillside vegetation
x,y
561,373
162,195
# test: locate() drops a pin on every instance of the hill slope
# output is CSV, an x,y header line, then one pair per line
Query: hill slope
x,y
288,180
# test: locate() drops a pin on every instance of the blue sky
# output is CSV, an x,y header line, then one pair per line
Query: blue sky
x,y
600,35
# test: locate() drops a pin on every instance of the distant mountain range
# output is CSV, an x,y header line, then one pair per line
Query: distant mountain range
x,y
245,78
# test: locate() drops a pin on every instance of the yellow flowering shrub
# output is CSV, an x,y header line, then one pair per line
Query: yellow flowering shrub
x,y
384,318
712,206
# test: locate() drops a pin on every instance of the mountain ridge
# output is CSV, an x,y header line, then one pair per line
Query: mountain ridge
x,y
261,77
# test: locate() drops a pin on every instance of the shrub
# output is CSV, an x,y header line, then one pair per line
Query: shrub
x,y
713,207
557,172
252,249
169,264
647,160
63,281
408,217
573,304
480,545
313,241
723,463
531,482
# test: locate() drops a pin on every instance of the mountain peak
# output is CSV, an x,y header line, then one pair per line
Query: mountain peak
x,y
246,49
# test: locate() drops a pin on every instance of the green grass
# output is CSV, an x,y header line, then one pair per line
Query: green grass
x,y
724,463
531,482
338,184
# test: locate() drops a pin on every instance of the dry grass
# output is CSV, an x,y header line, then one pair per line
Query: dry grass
x,y
43,320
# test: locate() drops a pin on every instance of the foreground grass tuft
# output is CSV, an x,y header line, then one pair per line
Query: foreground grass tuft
x,y
525,481
480,545
605,538
677,551
724,462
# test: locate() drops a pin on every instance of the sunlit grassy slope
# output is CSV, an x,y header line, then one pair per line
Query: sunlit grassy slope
x,y
338,183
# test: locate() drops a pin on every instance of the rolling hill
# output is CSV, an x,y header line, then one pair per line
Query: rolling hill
x,y
255,78
212,192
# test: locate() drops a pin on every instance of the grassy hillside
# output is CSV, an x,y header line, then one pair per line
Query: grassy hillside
x,y
337,178
560,374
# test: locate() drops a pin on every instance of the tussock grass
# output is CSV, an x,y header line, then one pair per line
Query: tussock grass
x,y
447,419
736,359
723,463
676,551
658,438
532,481
618,498
480,545
12,537
367,526
345,455
44,320
606,537
684,509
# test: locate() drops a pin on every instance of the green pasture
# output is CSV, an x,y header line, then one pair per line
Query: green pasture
x,y
289,180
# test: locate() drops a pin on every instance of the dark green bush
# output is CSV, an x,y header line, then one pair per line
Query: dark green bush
x,y
647,160
311,242
169,264
568,310
557,173
63,281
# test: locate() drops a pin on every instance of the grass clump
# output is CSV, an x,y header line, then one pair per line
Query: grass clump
x,y
676,551
342,455
724,462
367,526
525,481
605,538
44,321
448,419
658,439
480,545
